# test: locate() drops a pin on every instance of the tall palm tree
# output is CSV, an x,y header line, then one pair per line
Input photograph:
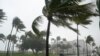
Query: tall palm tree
x,y
18,24
83,19
58,12
51,9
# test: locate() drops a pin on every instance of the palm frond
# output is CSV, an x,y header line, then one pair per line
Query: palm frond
x,y
63,23
16,22
21,27
35,24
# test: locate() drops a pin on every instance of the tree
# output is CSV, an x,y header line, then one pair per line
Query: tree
x,y
8,44
52,40
83,19
58,12
64,40
17,23
3,39
14,41
33,42
53,8
88,41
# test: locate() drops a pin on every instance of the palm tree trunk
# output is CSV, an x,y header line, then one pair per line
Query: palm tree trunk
x,y
99,21
77,42
8,46
47,37
13,43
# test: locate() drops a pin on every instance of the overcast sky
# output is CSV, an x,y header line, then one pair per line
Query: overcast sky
x,y
28,10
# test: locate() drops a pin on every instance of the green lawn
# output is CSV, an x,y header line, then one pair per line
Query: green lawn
x,y
26,54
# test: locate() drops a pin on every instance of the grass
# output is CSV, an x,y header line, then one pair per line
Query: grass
x,y
26,54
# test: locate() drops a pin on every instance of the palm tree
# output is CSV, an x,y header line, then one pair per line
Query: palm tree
x,y
8,44
14,41
88,41
83,19
58,12
18,24
51,9
53,40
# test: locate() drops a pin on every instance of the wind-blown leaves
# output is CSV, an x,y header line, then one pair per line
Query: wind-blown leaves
x,y
2,15
14,38
16,22
35,24
2,37
21,27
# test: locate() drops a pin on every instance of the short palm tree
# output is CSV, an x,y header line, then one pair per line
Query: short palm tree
x,y
14,41
88,41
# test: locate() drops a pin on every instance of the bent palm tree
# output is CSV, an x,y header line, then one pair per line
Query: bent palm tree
x,y
83,19
49,11
18,24
58,12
